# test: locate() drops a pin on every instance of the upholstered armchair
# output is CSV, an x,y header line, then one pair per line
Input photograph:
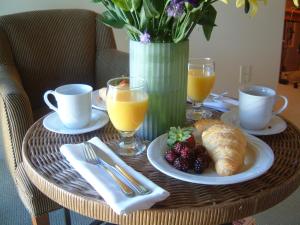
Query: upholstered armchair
x,y
41,50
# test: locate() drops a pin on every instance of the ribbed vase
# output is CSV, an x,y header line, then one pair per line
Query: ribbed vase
x,y
164,67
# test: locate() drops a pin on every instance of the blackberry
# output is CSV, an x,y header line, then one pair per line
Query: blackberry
x,y
198,166
200,149
185,152
192,158
181,164
170,156
178,147
201,163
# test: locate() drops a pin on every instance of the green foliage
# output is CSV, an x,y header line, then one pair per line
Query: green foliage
x,y
154,17
207,21
178,135
150,10
123,4
111,19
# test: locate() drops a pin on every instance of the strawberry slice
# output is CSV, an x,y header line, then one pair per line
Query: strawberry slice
x,y
123,83
191,142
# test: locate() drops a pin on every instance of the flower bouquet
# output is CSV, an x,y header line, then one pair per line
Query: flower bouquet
x,y
168,21
159,49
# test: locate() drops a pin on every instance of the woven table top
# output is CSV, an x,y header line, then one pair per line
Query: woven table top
x,y
188,203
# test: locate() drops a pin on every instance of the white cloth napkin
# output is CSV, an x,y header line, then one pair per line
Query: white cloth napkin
x,y
221,103
106,186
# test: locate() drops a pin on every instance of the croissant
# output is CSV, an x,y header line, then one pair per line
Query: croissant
x,y
226,145
204,124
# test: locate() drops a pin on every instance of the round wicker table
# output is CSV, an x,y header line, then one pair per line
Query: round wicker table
x,y
188,203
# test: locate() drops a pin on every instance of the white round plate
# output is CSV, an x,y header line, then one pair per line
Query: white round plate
x,y
276,125
97,102
259,158
53,123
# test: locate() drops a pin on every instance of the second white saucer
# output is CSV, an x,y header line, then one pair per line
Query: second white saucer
x,y
276,125
54,124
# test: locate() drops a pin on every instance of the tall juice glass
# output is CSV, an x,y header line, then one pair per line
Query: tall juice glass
x,y
201,79
127,104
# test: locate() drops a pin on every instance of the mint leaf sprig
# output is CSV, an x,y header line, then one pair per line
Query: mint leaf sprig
x,y
178,135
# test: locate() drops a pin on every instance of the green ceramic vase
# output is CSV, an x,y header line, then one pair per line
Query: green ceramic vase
x,y
164,67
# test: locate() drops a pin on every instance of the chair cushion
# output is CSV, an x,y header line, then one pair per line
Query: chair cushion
x,y
51,48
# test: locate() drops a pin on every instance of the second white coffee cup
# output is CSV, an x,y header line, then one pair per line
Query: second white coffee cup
x,y
256,104
74,105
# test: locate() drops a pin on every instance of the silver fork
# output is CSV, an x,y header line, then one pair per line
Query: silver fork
x,y
91,157
141,189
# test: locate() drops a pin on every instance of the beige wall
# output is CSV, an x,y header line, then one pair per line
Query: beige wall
x,y
237,40
242,40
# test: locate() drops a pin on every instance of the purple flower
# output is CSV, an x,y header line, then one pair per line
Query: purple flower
x,y
145,38
175,8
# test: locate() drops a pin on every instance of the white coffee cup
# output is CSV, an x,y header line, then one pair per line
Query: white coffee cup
x,y
74,106
256,105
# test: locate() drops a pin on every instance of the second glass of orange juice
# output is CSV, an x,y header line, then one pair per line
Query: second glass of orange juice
x,y
127,104
201,79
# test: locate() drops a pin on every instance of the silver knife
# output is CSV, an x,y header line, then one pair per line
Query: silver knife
x,y
107,159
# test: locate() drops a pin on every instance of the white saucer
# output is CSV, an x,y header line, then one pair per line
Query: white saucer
x,y
97,102
217,102
54,124
276,125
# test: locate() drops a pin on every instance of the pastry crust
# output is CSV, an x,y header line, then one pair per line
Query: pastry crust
x,y
204,124
227,147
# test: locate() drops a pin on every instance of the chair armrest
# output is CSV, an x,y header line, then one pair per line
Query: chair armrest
x,y
15,114
110,63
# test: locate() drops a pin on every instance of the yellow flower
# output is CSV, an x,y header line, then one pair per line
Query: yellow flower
x,y
253,5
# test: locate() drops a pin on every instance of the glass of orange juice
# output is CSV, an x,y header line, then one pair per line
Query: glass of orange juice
x,y
127,104
201,79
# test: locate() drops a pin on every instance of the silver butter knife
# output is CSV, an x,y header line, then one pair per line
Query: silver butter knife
x,y
107,159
